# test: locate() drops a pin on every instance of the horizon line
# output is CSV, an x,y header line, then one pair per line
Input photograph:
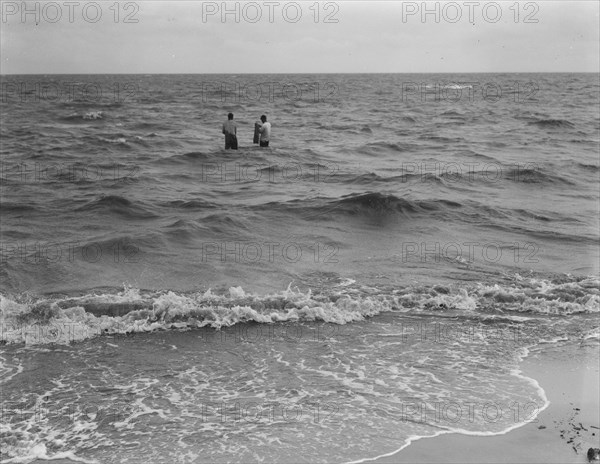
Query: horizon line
x,y
287,73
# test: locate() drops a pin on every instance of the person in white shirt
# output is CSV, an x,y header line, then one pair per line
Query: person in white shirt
x,y
265,132
230,132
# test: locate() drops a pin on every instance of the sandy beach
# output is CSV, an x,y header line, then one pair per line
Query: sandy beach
x,y
569,376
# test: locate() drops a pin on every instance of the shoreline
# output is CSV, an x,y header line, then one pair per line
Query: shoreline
x,y
561,433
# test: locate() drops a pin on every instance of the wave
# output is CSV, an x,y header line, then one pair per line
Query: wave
x,y
553,123
551,234
191,204
118,205
85,103
67,319
376,148
183,231
368,205
16,207
453,115
187,157
473,154
145,125
118,141
375,204
589,167
367,179
442,139
84,117
378,202
535,175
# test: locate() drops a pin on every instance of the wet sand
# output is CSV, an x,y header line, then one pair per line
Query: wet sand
x,y
562,433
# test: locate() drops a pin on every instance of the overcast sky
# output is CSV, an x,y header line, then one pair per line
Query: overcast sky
x,y
299,37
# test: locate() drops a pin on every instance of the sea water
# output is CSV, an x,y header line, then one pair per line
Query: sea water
x,y
374,276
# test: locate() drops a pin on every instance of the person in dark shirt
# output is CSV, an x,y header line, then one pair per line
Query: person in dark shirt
x,y
257,125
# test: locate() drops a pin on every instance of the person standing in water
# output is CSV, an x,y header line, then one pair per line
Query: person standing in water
x,y
265,132
257,125
230,132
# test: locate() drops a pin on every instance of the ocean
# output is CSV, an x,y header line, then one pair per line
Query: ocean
x,y
375,276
